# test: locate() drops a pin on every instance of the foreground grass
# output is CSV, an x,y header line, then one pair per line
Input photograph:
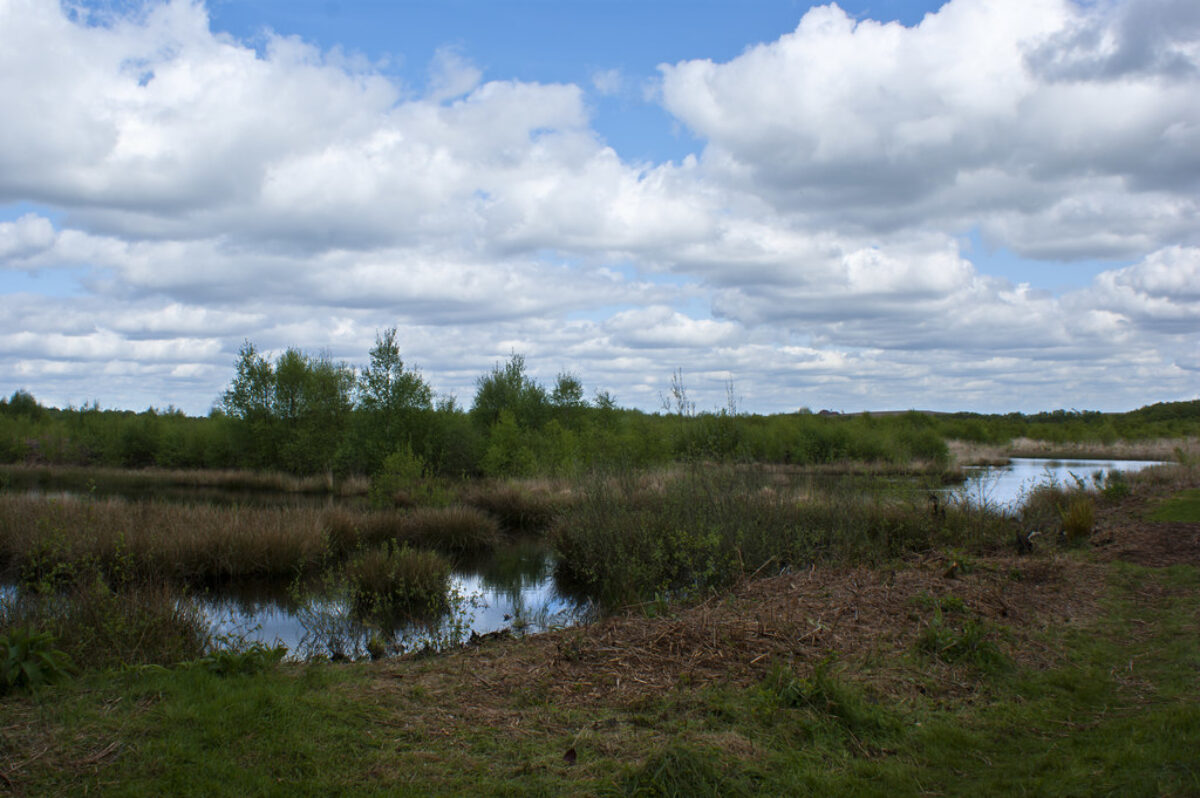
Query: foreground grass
x,y
948,671
1109,706
1184,507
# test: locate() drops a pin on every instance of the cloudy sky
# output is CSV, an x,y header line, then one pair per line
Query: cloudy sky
x,y
989,205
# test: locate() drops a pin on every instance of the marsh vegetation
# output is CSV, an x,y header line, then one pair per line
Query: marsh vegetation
x,y
368,503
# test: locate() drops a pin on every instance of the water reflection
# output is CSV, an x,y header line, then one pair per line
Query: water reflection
x,y
1005,487
512,590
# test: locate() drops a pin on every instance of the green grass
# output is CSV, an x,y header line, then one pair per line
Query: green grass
x,y
1118,714
1184,506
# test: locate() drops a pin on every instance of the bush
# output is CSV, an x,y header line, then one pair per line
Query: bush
x,y
93,624
28,659
398,581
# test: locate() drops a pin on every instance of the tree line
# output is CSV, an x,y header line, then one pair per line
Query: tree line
x,y
307,414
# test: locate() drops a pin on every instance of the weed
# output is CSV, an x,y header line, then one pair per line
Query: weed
x,y
679,771
252,659
828,696
1113,486
1078,518
969,643
29,659
946,604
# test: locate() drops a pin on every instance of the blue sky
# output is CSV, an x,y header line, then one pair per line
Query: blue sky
x,y
982,204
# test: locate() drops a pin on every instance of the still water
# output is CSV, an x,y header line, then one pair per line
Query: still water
x,y
514,589
1005,487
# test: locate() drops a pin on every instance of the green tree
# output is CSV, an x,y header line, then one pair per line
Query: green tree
x,y
250,400
508,387
322,415
391,401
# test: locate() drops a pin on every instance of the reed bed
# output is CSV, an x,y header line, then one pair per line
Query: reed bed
x,y
1164,449
519,509
82,477
708,528
49,539
179,542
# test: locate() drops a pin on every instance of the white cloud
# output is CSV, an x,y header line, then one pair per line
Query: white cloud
x,y
879,126
608,82
24,238
451,75
205,192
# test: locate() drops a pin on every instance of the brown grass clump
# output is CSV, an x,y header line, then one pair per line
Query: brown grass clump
x,y
153,540
400,580
349,530
518,509
455,530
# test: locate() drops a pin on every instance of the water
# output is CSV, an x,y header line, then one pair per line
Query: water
x,y
514,588
514,591
1005,487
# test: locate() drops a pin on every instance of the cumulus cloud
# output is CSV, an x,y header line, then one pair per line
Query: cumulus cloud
x,y
202,191
970,114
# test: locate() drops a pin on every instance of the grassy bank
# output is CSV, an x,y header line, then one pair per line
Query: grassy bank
x,y
106,480
1063,671
1168,450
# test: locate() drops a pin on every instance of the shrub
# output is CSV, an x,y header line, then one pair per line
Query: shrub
x,y
405,581
28,659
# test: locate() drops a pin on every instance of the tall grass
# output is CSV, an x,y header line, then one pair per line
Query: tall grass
x,y
153,540
398,580
99,627
50,539
108,479
709,526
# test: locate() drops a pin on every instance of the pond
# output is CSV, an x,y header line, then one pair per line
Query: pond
x,y
512,590
1005,487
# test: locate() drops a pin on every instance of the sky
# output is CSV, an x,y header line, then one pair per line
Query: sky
x,y
987,205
